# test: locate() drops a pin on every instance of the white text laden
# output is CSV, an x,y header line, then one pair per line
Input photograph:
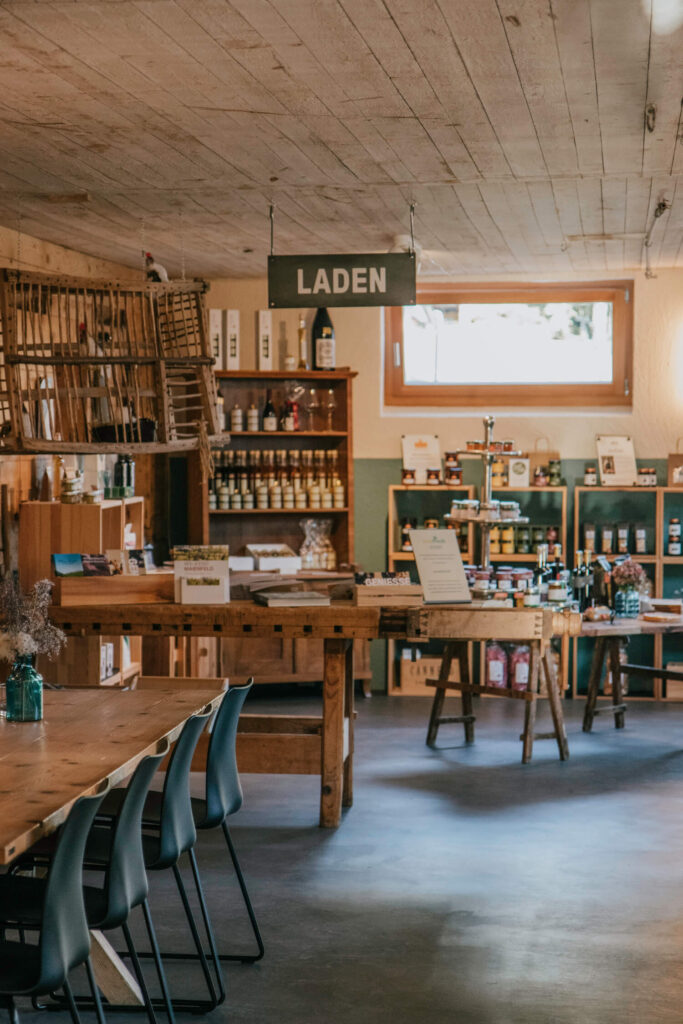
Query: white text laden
x,y
360,281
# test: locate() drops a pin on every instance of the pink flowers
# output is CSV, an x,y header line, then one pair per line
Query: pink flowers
x,y
628,574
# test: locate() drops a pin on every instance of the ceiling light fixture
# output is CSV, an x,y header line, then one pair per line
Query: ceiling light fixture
x,y
662,206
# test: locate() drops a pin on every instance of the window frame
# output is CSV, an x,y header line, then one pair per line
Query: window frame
x,y
617,393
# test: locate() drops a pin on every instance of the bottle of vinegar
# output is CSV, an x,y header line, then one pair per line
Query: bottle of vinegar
x,y
324,355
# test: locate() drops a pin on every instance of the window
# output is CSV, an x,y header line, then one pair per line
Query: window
x,y
514,344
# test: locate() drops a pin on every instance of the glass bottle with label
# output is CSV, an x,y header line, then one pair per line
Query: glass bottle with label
x,y
674,545
324,354
269,415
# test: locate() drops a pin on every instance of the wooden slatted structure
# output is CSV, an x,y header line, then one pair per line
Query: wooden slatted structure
x,y
104,366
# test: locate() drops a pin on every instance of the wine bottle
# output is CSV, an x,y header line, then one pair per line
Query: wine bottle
x,y
324,356
579,580
269,416
557,565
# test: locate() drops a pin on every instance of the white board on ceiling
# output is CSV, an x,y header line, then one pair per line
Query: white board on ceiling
x,y
439,566
421,452
617,460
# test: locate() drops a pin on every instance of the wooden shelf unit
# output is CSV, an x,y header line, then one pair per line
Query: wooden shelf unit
x,y
662,504
278,660
556,517
50,527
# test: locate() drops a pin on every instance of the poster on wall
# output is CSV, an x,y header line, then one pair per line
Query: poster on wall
x,y
617,460
421,452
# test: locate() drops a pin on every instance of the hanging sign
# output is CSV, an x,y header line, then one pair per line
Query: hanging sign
x,y
369,279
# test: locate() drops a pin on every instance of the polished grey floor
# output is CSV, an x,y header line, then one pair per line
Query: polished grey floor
x,y
461,886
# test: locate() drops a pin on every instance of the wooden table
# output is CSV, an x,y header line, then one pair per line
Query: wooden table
x,y
87,737
609,637
266,743
459,625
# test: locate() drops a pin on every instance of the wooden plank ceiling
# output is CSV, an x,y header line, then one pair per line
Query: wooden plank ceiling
x,y
518,127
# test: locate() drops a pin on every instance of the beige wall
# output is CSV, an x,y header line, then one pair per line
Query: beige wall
x,y
27,253
655,422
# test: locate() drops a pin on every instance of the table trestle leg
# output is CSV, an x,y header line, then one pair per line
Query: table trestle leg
x,y
452,649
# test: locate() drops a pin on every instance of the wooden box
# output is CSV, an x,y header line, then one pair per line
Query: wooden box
x,y
390,596
103,590
413,674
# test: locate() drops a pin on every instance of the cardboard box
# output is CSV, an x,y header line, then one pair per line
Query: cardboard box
x,y
412,675
674,687
274,557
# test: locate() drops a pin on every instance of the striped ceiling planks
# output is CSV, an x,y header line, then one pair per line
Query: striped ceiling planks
x,y
517,126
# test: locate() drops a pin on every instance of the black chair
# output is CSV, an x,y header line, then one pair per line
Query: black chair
x,y
222,798
164,842
57,911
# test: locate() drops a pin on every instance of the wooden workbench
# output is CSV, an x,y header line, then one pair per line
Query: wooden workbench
x,y
267,743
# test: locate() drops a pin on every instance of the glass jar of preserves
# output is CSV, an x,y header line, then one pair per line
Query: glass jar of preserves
x,y
674,545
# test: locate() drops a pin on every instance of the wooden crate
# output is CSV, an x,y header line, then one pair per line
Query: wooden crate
x,y
413,676
397,596
151,588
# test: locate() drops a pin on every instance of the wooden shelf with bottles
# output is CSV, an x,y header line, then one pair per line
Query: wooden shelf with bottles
x,y
643,506
279,660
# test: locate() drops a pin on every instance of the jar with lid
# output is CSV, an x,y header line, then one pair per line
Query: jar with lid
x,y
674,545
494,540
453,476
540,476
590,475
408,477
236,418
537,536
532,596
253,418
431,523
554,473
507,540
523,546
433,477
557,592
504,580
406,526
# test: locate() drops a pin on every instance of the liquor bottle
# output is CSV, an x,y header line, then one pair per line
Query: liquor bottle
x,y
557,565
540,571
303,348
590,578
323,341
269,416
579,580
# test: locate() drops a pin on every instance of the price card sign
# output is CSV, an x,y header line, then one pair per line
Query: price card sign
x,y
617,460
439,566
368,279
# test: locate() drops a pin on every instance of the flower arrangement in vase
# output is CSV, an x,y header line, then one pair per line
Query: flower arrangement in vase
x,y
628,580
25,630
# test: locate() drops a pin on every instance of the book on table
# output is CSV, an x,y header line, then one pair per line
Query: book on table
x,y
291,598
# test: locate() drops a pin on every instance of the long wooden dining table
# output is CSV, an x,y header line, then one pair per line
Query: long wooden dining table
x,y
86,739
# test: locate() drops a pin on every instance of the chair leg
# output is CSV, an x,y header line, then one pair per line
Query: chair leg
x,y
99,1012
13,1012
245,958
208,927
71,1002
157,962
138,972
201,955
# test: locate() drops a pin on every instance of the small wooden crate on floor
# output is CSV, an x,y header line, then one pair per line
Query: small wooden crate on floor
x,y
413,675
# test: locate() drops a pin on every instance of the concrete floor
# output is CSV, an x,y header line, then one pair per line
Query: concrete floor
x,y
461,886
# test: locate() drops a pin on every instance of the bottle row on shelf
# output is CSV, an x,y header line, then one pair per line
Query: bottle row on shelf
x,y
300,409
276,479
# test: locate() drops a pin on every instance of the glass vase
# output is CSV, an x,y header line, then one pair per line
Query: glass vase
x,y
627,603
24,691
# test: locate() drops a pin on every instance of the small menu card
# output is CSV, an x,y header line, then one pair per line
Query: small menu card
x,y
439,566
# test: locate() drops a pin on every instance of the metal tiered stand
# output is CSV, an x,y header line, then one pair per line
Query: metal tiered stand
x,y
488,515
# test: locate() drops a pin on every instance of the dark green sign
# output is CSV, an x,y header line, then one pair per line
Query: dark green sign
x,y
371,279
